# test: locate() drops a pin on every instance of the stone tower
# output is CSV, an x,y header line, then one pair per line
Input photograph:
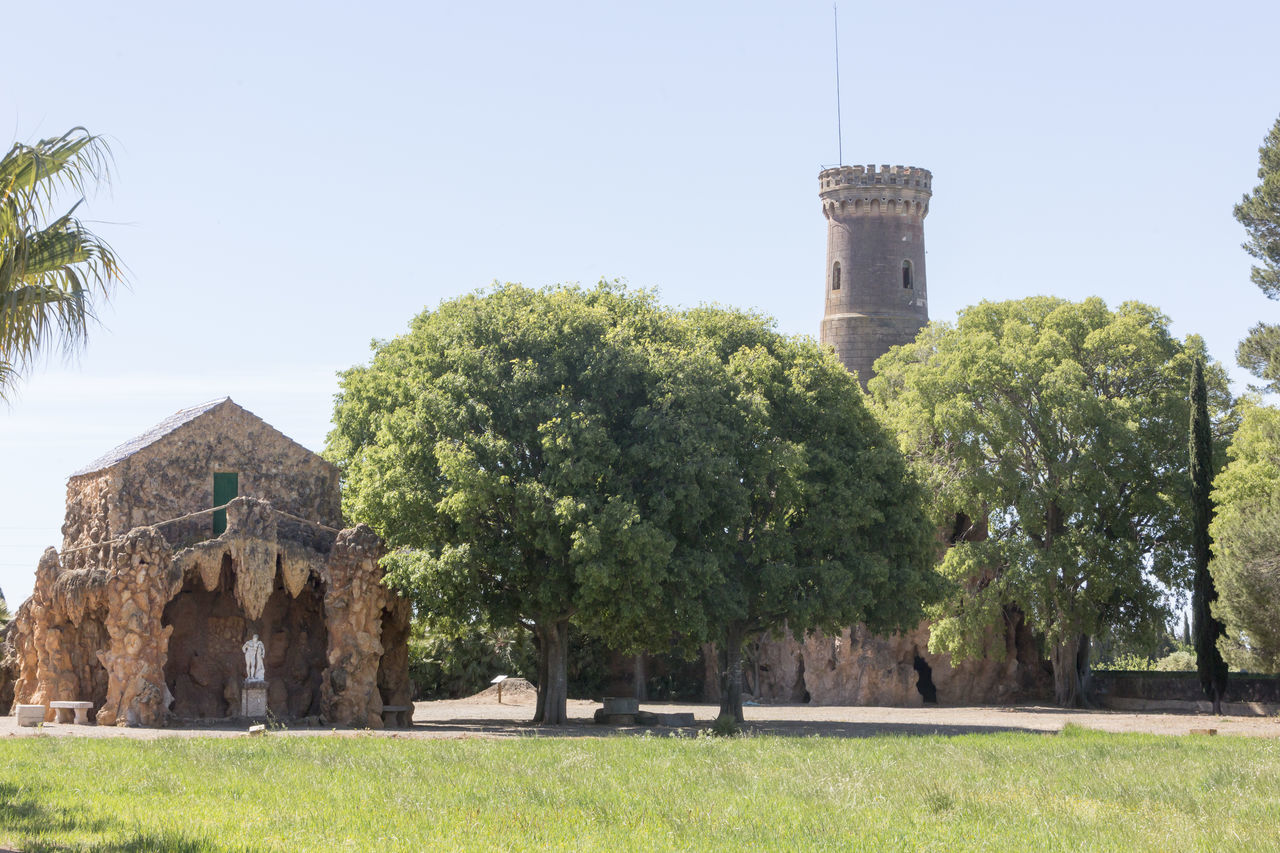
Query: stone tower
x,y
876,294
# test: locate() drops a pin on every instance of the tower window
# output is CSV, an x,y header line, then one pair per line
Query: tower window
x,y
908,277
835,276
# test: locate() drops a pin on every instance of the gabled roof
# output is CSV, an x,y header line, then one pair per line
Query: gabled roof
x,y
150,437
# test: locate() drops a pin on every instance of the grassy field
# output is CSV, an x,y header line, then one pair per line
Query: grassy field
x,y
1075,791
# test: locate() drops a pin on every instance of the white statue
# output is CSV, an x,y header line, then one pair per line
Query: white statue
x,y
253,652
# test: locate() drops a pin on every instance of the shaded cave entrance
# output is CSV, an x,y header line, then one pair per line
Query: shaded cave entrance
x,y
924,680
204,670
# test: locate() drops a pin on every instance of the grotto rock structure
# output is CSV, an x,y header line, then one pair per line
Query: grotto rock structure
x,y
146,608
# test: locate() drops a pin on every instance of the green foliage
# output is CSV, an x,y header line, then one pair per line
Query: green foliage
x,y
1047,423
1183,660
4,611
453,666
1246,562
1080,790
542,457
1207,630
827,525
1258,353
1259,213
51,266
1119,647
1125,662
448,666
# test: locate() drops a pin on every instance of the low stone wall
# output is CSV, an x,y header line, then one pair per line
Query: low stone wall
x,y
1121,689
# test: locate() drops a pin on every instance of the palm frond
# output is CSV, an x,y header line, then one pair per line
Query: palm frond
x,y
50,271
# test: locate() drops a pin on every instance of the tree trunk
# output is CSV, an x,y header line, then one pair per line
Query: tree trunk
x,y
553,688
731,676
541,702
1083,672
638,679
1066,672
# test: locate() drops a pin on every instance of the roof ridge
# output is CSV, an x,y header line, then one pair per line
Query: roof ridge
x,y
151,436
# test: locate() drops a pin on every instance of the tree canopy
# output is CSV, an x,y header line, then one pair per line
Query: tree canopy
x,y
542,457
1046,429
51,266
1246,553
1259,213
828,527
584,457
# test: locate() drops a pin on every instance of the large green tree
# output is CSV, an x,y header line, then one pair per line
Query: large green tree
x,y
1246,551
1209,663
1259,213
828,526
543,458
51,266
1050,424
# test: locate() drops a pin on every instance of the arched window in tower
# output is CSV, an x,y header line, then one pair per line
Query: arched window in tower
x,y
908,275
835,276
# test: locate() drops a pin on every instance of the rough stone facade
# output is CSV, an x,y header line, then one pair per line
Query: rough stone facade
x,y
361,615
861,668
148,624
169,472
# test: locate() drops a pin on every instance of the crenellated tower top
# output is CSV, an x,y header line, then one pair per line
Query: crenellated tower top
x,y
903,190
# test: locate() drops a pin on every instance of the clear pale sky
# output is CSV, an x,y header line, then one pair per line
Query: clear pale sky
x,y
293,180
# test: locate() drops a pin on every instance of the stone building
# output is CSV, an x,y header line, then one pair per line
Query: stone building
x,y
876,298
146,609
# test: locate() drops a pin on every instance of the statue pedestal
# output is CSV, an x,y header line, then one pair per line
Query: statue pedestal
x,y
253,699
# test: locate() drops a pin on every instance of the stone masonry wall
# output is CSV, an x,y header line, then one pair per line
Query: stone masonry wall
x,y
173,477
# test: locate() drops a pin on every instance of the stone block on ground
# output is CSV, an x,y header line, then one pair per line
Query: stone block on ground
x,y
29,715
621,705
674,719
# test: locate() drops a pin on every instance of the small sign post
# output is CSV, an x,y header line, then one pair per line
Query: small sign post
x,y
498,681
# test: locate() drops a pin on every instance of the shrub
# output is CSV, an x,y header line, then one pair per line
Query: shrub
x,y
1180,661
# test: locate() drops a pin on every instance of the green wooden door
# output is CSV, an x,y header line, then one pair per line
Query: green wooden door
x,y
225,487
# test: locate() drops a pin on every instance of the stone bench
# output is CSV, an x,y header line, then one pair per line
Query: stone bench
x,y
616,712
64,710
29,715
400,716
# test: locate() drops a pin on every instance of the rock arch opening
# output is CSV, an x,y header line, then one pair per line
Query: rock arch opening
x,y
204,671
924,680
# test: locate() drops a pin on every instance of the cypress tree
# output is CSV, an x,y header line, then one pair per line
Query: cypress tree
x,y
1206,629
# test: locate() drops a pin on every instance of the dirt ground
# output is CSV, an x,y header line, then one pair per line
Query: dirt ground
x,y
483,716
